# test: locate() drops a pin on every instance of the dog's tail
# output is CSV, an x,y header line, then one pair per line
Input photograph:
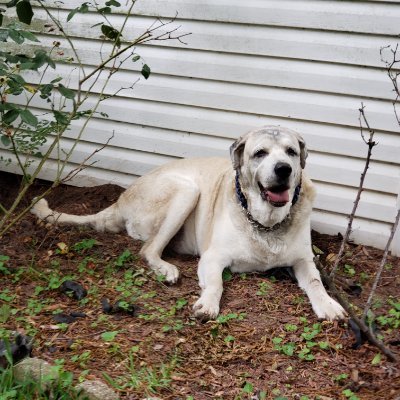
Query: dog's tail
x,y
109,219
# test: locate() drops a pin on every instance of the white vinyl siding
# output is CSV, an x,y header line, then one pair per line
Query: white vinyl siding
x,y
306,65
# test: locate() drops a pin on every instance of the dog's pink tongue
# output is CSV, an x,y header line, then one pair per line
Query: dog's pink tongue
x,y
279,197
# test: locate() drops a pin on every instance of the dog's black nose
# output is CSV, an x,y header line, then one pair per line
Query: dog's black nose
x,y
282,170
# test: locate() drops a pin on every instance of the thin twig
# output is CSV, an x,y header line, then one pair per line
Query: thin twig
x,y
143,38
382,265
83,165
61,29
370,143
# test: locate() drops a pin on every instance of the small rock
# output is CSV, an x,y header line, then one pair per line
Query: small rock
x,y
38,370
95,390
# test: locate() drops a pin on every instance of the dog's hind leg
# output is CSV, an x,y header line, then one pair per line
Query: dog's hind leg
x,y
175,211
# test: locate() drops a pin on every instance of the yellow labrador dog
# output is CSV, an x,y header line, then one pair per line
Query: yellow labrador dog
x,y
252,217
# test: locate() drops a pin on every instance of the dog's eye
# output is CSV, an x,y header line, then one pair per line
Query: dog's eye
x,y
291,152
260,154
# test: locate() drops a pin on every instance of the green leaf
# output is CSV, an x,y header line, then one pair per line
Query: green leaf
x,y
16,36
68,93
146,71
57,80
226,275
135,58
109,32
317,250
28,117
84,8
105,10
25,12
60,117
29,35
113,3
109,336
3,34
10,116
248,388
5,140
377,359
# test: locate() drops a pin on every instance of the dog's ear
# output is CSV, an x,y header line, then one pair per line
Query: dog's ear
x,y
236,150
303,150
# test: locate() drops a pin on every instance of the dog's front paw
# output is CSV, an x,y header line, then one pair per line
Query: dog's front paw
x,y
206,308
329,309
168,271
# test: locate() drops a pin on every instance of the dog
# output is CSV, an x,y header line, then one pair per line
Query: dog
x,y
252,217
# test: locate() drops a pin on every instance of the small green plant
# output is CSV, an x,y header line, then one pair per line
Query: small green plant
x,y
285,348
350,395
123,259
349,270
307,347
3,264
82,358
248,388
263,288
224,319
109,336
84,245
226,275
392,319
291,327
143,378
340,378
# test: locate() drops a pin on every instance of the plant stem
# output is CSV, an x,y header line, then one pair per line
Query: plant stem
x,y
382,265
370,143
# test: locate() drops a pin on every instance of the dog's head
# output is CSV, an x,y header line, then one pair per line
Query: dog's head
x,y
270,162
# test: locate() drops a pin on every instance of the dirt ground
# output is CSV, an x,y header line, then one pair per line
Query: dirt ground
x,y
267,343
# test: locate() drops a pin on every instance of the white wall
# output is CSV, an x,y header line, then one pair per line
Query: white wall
x,y
307,65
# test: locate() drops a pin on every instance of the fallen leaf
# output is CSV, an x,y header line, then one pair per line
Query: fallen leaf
x,y
63,247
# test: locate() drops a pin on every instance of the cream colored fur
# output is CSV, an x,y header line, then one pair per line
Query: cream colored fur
x,y
192,206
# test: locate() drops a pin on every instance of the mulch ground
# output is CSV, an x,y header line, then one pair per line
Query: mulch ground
x,y
257,349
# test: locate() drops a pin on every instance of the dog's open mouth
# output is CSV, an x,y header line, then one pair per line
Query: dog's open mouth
x,y
278,196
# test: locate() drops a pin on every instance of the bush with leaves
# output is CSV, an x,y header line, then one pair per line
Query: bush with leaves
x,y
33,138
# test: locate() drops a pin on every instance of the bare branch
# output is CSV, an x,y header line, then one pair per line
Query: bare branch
x,y
370,143
144,38
382,264
83,164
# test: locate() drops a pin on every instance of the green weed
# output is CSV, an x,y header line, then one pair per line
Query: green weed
x,y
306,347
144,378
3,264
84,245
30,389
263,288
392,319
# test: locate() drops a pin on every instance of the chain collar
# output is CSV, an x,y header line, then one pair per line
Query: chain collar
x,y
254,223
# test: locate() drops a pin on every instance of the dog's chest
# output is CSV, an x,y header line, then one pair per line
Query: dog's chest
x,y
260,254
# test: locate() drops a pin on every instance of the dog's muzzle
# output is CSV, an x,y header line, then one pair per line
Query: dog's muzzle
x,y
278,195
